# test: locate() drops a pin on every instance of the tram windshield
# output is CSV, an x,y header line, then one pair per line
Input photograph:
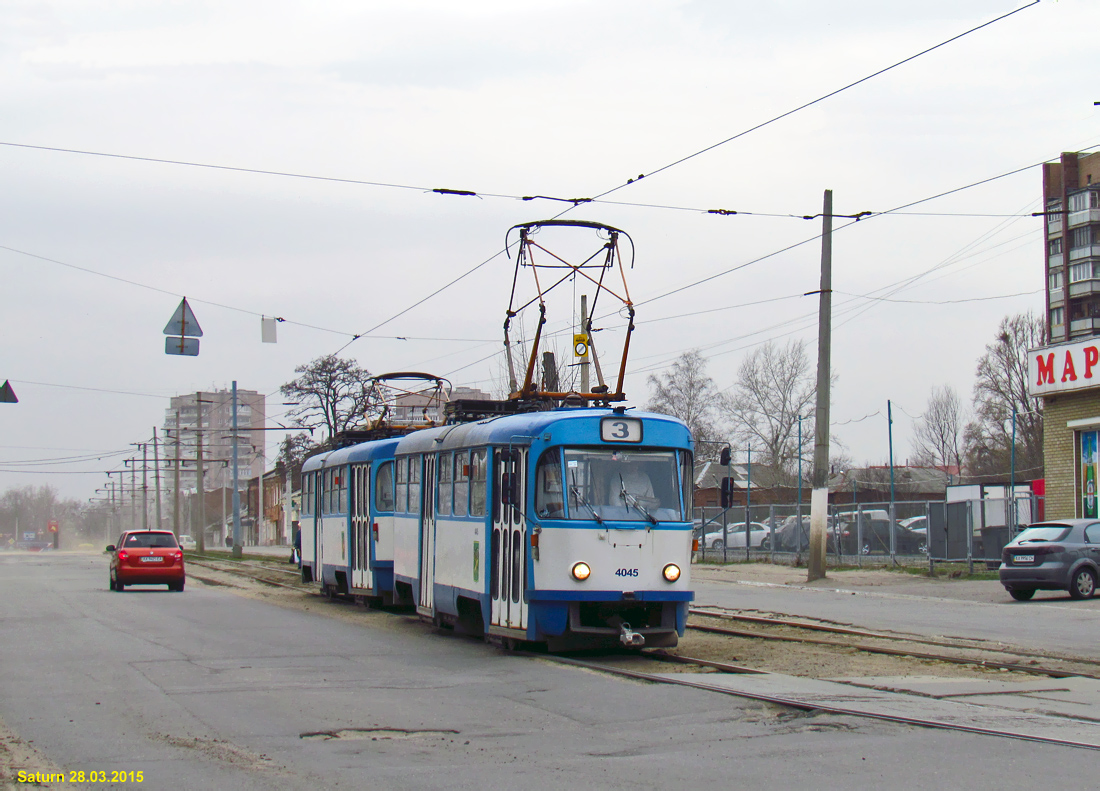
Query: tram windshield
x,y
611,485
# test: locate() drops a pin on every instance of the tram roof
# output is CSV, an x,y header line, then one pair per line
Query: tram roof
x,y
364,451
521,428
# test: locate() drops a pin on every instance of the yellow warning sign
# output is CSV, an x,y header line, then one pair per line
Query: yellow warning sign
x,y
580,345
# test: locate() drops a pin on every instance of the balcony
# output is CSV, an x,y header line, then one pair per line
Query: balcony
x,y
1079,327
1077,253
1082,289
1083,216
1056,296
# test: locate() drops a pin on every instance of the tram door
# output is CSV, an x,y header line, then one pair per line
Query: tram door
x,y
360,526
507,585
324,483
426,605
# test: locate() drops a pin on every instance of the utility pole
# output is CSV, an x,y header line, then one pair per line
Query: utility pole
x,y
156,476
145,486
584,358
819,498
748,506
236,489
890,435
176,482
133,495
200,540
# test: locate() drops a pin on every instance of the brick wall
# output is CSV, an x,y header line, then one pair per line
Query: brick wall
x,y
1060,449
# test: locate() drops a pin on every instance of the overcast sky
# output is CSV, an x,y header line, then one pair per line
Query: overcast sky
x,y
555,98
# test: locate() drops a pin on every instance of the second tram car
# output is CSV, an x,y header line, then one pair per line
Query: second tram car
x,y
569,527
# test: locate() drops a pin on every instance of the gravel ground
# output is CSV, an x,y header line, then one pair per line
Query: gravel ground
x,y
789,658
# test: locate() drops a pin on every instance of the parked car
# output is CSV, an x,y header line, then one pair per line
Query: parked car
x,y
734,536
875,535
916,524
186,542
146,557
1061,555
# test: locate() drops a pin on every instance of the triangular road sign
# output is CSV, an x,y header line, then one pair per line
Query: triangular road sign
x,y
183,322
7,395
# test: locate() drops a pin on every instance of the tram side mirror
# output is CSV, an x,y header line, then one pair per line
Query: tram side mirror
x,y
509,455
509,488
727,492
724,458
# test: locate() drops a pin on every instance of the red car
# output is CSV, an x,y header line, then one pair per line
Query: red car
x,y
146,557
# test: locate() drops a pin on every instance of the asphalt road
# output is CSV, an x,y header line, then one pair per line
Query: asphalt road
x,y
209,689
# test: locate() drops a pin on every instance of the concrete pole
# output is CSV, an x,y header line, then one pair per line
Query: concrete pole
x,y
200,539
819,498
145,486
156,476
890,437
176,482
259,522
236,489
133,494
288,532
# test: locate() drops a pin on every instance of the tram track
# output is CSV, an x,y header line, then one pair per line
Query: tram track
x,y
248,569
651,666
973,652
817,705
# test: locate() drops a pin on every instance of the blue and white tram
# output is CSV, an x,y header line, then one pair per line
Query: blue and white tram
x,y
570,527
347,520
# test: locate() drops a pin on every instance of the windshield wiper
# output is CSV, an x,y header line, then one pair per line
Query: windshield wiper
x,y
632,501
580,498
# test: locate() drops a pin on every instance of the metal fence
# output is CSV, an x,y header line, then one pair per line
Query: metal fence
x,y
913,532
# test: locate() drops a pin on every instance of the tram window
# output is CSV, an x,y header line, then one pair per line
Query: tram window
x,y
549,499
624,485
414,484
326,492
306,482
517,550
401,488
362,493
495,560
477,482
687,476
383,487
462,482
443,484
340,490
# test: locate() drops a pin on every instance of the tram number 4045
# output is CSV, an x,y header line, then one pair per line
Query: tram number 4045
x,y
626,573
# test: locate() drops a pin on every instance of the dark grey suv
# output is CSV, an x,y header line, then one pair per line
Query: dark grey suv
x,y
1053,556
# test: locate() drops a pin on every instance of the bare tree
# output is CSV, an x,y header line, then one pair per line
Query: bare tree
x,y
775,385
937,438
1001,387
332,394
685,391
295,449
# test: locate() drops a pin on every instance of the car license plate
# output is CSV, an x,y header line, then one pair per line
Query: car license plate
x,y
1023,558
153,559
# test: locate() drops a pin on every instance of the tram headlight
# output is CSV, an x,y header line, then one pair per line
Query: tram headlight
x,y
581,571
671,572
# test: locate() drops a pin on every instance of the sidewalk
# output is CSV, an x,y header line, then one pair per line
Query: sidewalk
x,y
273,551
880,580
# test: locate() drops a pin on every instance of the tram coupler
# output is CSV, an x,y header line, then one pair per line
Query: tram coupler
x,y
630,638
